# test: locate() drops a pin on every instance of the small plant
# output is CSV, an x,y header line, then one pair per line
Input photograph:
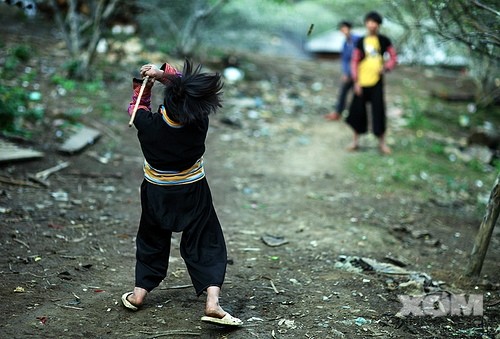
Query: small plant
x,y
416,117
93,87
67,84
15,108
17,104
437,148
22,53
16,56
10,100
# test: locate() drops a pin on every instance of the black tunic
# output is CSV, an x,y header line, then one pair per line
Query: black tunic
x,y
185,208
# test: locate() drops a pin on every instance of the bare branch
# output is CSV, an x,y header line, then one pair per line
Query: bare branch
x,y
188,38
202,14
163,16
109,10
74,30
96,32
60,23
489,9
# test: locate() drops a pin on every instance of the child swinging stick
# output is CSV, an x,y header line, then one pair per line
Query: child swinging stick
x,y
175,196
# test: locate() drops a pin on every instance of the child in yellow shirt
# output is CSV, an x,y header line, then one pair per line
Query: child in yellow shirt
x,y
367,68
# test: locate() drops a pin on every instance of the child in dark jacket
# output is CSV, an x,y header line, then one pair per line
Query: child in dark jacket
x,y
350,42
175,195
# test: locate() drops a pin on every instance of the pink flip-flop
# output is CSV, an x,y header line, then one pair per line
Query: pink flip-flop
x,y
226,320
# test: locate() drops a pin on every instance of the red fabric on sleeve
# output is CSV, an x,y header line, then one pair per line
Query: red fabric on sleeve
x,y
145,102
393,59
168,70
355,59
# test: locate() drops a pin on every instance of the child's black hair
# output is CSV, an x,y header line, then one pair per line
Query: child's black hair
x,y
345,23
193,95
374,16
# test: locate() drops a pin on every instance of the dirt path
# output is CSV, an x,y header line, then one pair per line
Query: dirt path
x,y
320,150
74,259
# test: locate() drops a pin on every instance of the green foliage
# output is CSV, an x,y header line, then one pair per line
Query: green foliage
x,y
106,110
16,56
421,168
10,100
83,100
67,84
423,163
166,46
416,118
22,53
73,68
16,104
11,63
464,29
93,87
437,149
74,113
496,165
15,107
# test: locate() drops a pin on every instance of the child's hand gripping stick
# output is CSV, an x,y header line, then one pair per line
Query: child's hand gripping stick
x,y
144,82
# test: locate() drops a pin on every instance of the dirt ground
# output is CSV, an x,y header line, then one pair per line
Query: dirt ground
x,y
67,250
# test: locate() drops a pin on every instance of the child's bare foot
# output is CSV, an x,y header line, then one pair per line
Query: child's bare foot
x,y
133,300
214,313
333,116
353,147
385,150
212,307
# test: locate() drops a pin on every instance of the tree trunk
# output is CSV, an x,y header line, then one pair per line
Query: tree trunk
x,y
483,237
189,38
81,36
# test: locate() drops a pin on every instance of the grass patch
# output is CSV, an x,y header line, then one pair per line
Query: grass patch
x,y
421,164
420,167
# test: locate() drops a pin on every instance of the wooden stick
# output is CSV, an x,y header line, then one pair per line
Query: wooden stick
x,y
177,287
274,287
272,284
11,181
70,307
43,175
132,117
485,232
22,243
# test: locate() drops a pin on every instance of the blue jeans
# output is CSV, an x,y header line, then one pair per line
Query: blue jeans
x,y
343,92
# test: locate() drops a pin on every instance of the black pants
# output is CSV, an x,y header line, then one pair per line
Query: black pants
x,y
358,117
181,208
343,92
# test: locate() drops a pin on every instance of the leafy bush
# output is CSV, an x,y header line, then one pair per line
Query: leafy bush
x,y
16,106
22,52
16,56
65,83
416,116
10,100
